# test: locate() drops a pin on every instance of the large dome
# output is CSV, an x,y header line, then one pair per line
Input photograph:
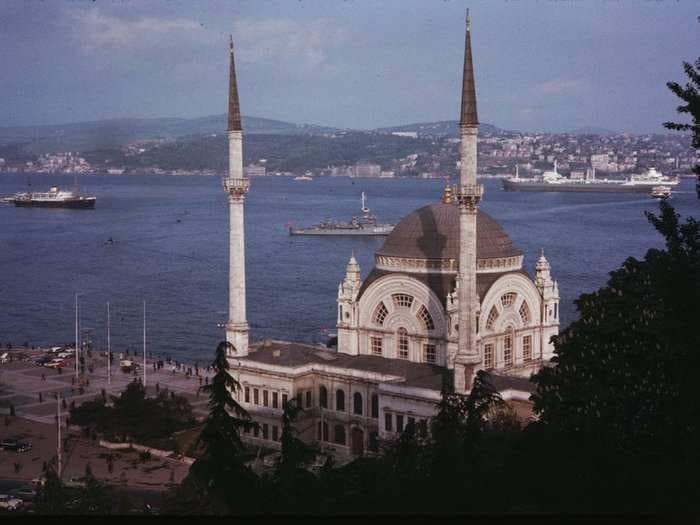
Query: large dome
x,y
431,234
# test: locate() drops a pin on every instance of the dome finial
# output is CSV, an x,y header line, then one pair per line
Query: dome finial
x,y
447,195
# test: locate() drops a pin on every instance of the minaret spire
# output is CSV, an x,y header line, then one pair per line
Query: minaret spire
x,y
234,109
236,186
468,116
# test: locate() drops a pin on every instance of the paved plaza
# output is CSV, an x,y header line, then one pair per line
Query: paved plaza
x,y
22,383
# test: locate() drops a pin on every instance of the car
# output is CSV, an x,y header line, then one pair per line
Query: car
x,y
39,482
56,363
25,493
75,482
8,502
15,445
43,360
65,354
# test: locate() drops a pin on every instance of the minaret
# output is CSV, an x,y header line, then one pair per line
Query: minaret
x,y
236,186
468,196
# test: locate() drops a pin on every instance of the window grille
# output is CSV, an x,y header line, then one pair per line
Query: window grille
x,y
430,353
425,318
492,318
402,343
380,314
524,313
376,344
508,349
508,299
402,300
488,356
527,348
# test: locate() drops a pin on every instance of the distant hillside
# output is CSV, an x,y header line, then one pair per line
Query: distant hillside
x,y
108,134
443,128
590,130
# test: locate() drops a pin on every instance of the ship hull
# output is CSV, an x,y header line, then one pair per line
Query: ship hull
x,y
596,187
360,232
78,204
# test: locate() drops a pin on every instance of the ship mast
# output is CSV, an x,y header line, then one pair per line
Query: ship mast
x,y
109,350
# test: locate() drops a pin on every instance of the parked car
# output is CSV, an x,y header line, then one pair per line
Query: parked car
x,y
39,482
65,354
4,357
15,445
8,502
25,493
56,363
43,360
75,482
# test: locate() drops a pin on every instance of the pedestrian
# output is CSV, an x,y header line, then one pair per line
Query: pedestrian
x,y
206,380
60,370
41,399
43,377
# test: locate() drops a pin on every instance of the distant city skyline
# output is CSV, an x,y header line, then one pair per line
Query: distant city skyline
x,y
541,66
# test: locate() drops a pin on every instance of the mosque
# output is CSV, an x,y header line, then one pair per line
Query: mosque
x,y
447,297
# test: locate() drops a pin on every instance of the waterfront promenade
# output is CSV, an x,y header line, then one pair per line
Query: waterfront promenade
x,y
32,391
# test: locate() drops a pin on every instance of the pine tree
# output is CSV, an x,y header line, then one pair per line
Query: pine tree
x,y
51,496
220,474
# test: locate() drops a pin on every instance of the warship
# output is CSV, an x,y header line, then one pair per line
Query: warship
x,y
365,224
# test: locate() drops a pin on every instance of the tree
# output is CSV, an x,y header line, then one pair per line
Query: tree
x,y
689,94
51,496
220,474
292,481
623,391
94,497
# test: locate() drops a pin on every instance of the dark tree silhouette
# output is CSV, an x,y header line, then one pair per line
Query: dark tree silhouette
x,y
624,385
691,96
219,481
51,495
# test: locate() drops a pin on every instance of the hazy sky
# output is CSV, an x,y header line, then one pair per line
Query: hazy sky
x,y
540,65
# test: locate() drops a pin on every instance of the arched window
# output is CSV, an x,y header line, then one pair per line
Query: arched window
x,y
357,403
339,434
380,313
375,406
524,313
508,348
491,319
340,400
322,431
402,300
507,299
425,318
322,397
402,343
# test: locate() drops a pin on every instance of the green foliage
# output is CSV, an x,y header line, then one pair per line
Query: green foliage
x,y
624,386
134,415
220,475
690,94
51,496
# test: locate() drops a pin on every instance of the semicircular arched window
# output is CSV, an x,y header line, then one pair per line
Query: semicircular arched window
x,y
492,318
380,313
424,316
402,300
524,313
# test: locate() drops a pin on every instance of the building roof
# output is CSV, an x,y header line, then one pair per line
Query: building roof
x,y
432,232
294,355
234,109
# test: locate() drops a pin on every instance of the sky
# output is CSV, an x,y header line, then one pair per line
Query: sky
x,y
540,65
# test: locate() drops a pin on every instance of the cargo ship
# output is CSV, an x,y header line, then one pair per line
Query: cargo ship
x,y
54,198
366,224
554,181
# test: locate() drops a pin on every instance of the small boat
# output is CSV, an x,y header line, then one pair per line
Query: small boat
x,y
661,192
306,176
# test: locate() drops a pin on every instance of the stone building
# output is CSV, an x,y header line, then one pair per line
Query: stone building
x,y
448,296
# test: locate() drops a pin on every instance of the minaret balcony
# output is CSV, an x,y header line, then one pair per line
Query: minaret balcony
x,y
236,187
468,195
